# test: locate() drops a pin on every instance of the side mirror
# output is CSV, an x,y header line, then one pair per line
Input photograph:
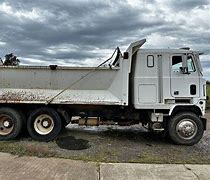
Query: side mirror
x,y
184,70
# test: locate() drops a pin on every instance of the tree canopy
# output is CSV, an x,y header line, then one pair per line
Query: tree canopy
x,y
11,60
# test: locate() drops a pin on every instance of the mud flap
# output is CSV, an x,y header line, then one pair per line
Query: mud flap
x,y
204,121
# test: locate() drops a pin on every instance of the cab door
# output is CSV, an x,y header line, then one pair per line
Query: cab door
x,y
184,76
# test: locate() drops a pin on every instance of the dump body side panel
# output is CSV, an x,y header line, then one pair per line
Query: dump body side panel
x,y
27,84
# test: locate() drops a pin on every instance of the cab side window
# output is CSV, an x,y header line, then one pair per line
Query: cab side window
x,y
176,63
150,61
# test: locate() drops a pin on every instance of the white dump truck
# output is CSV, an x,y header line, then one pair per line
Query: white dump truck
x,y
163,89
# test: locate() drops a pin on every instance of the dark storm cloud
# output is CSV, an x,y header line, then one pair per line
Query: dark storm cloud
x,y
83,24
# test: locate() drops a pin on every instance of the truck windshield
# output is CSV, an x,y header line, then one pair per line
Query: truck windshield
x,y
198,62
190,64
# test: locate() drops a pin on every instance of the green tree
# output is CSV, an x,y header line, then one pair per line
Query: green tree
x,y
11,60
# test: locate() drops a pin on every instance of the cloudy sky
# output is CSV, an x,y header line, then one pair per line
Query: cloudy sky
x,y
84,32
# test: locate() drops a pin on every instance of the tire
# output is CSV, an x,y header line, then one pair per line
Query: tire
x,y
44,124
185,128
11,123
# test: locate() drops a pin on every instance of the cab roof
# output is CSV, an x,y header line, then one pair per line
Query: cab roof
x,y
168,51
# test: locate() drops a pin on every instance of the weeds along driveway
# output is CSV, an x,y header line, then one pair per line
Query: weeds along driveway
x,y
112,144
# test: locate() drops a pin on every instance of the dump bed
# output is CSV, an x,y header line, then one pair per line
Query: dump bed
x,y
67,85
25,84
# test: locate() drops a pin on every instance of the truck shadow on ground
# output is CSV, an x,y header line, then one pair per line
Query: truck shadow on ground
x,y
78,139
136,136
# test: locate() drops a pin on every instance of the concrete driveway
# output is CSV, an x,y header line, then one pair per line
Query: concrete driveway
x,y
15,168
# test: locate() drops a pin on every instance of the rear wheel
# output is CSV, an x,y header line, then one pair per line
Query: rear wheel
x,y
11,123
185,128
44,124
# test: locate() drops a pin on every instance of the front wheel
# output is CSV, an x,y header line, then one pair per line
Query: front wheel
x,y
185,128
44,124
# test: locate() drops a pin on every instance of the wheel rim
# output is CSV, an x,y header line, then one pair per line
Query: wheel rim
x,y
186,129
6,124
43,124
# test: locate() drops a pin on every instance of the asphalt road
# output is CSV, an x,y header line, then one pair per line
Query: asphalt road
x,y
113,144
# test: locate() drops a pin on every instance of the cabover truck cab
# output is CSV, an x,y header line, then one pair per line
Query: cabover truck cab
x,y
163,89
